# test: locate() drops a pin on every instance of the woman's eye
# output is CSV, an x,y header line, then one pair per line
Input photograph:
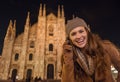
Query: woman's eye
x,y
74,33
80,31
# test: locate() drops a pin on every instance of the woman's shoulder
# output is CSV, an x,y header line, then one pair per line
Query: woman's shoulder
x,y
107,42
109,45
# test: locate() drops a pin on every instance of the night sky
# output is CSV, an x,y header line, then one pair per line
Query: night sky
x,y
102,15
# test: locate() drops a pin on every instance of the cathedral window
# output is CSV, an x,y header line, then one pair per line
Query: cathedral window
x,y
32,44
16,56
30,57
50,30
50,47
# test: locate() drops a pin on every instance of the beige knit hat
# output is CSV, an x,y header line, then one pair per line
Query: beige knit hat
x,y
73,23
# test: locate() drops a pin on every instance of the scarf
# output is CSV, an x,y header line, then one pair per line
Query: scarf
x,y
85,63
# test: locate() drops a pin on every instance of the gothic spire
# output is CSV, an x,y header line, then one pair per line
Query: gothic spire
x,y
44,10
62,11
28,19
27,25
40,11
14,28
9,30
58,11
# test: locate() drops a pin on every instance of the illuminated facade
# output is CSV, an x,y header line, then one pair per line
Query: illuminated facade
x,y
37,51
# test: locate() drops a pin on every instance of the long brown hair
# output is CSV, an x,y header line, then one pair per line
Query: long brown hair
x,y
94,45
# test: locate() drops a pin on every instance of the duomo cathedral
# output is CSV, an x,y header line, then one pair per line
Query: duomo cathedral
x,y
37,51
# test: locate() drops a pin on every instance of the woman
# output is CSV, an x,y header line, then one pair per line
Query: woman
x,y
86,57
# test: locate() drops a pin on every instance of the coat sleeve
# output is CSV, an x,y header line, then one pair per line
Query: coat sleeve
x,y
115,58
67,65
68,72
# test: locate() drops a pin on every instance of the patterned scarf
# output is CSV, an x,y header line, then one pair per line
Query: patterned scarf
x,y
85,63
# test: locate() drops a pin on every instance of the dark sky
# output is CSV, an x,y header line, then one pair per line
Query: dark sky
x,y
102,15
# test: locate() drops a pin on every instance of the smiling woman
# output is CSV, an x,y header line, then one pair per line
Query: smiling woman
x,y
88,58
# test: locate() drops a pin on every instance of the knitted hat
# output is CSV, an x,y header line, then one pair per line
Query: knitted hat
x,y
73,23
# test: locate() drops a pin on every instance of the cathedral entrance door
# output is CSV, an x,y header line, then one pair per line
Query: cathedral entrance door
x,y
50,71
29,74
14,73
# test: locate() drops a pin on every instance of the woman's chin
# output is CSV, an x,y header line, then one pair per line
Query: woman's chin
x,y
81,45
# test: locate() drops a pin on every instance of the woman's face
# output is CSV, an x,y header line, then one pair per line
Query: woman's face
x,y
79,36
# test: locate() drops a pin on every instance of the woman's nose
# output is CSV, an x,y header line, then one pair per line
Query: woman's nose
x,y
78,35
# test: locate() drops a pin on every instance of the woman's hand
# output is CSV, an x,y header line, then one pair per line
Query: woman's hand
x,y
67,53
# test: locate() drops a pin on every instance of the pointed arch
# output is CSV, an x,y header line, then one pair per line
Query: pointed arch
x,y
50,47
51,30
30,57
32,44
16,57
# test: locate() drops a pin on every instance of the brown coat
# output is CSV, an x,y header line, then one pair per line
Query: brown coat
x,y
102,70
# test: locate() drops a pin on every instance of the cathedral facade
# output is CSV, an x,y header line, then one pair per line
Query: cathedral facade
x,y
37,51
